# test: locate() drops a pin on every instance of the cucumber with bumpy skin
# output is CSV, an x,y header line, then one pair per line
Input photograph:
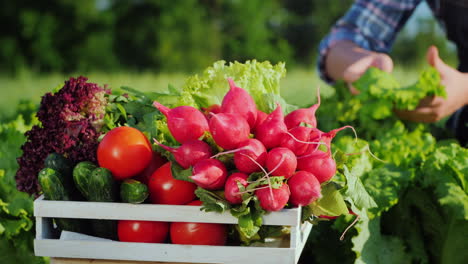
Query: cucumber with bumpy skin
x,y
63,166
103,188
133,191
81,177
53,189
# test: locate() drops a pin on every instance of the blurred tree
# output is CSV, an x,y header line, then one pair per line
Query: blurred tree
x,y
164,35
308,21
186,35
252,30
45,35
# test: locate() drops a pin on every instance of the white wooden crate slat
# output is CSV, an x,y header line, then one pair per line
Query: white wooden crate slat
x,y
148,212
163,252
46,244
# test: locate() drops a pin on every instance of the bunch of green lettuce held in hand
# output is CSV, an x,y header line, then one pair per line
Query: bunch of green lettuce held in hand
x,y
380,92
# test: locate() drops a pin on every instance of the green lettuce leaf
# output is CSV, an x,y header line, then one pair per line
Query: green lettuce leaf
x,y
259,79
446,170
16,208
331,203
355,190
382,92
385,185
212,202
372,247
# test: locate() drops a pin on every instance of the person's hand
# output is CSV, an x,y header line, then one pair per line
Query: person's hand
x,y
432,109
347,61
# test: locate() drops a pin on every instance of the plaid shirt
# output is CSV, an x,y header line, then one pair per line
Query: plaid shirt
x,y
371,24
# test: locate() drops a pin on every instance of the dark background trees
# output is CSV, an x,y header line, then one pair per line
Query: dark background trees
x,y
170,36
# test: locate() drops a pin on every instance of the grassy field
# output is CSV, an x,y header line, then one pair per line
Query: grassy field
x,y
298,87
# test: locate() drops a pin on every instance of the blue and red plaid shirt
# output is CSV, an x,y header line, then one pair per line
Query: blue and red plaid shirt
x,y
371,24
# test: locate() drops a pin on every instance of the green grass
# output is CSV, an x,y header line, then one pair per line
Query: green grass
x,y
298,87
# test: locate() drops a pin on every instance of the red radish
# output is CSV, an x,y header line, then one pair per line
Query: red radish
x,y
229,130
270,131
319,163
238,101
305,188
209,174
254,149
214,108
315,134
231,189
297,140
326,138
261,116
281,162
303,115
189,153
273,199
184,122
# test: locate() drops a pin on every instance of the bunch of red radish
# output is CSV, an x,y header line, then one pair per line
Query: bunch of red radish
x,y
274,144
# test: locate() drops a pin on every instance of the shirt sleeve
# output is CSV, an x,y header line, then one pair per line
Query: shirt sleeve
x,y
371,24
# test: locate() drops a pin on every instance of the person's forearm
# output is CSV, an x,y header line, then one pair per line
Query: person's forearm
x,y
347,61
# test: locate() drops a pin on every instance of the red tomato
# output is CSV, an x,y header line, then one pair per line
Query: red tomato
x,y
198,233
156,162
125,151
142,231
164,189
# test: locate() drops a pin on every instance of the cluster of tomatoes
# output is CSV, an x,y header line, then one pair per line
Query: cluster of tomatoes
x,y
127,153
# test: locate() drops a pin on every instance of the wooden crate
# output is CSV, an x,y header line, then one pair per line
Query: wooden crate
x,y
46,244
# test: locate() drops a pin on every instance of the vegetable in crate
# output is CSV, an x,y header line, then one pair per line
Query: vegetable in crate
x,y
209,174
270,131
64,167
97,185
185,122
133,191
198,233
239,102
53,189
103,188
250,156
229,130
60,164
273,199
81,177
231,188
164,189
304,187
281,162
125,151
70,124
156,162
189,153
142,231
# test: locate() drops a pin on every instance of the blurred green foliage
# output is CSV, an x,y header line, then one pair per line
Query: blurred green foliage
x,y
172,36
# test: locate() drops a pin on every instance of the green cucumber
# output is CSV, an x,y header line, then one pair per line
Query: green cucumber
x,y
81,177
133,191
102,186
53,189
63,166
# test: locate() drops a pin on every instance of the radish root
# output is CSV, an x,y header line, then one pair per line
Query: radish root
x,y
349,227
